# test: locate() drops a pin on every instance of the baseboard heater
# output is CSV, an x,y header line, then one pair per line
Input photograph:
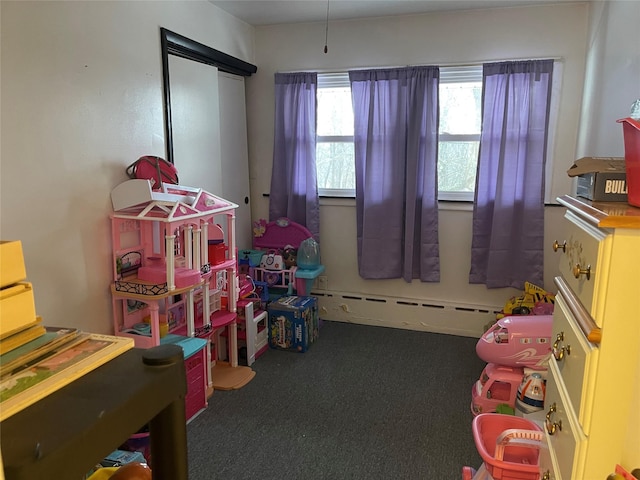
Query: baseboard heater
x,y
407,313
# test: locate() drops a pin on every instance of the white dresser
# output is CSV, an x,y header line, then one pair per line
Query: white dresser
x,y
592,402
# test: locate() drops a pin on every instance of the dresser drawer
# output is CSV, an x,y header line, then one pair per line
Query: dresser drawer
x,y
564,435
580,258
574,358
549,469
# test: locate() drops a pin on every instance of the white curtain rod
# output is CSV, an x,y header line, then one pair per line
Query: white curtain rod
x,y
466,64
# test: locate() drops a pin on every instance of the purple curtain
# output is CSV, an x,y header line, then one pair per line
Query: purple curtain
x,y
396,148
294,189
508,214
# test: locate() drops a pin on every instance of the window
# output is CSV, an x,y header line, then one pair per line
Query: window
x,y
459,131
460,93
335,159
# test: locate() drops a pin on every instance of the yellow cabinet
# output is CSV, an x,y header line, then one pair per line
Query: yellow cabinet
x,y
592,403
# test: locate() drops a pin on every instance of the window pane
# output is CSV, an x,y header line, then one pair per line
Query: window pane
x,y
460,115
457,163
335,113
335,165
460,107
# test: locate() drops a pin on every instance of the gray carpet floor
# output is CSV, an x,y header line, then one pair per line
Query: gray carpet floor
x,y
362,403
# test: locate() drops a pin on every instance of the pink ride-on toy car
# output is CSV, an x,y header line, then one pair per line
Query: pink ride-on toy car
x,y
498,384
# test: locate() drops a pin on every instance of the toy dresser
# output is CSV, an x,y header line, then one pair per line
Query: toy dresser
x,y
293,323
194,352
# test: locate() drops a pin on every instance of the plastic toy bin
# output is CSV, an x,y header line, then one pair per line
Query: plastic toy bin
x,y
631,134
509,446
217,252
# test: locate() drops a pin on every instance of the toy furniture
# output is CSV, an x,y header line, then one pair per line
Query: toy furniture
x,y
194,353
162,271
255,333
276,236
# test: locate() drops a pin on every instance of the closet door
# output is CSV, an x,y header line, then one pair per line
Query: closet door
x,y
195,122
234,153
210,135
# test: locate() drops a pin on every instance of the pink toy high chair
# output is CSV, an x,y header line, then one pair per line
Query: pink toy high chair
x,y
509,447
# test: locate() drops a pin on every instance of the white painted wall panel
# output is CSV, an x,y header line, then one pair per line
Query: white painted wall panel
x,y
81,89
557,31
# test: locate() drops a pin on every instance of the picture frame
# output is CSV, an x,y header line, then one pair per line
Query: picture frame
x,y
176,314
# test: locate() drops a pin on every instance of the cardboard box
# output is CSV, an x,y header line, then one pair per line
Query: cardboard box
x,y
12,269
293,323
601,179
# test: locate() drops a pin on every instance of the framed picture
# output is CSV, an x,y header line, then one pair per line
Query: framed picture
x,y
176,315
77,355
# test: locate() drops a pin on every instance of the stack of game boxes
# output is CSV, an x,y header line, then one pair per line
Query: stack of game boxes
x,y
36,360
18,321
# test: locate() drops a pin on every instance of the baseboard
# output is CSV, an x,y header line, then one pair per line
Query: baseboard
x,y
407,313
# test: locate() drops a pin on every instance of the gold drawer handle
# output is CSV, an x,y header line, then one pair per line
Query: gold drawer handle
x,y
557,350
546,476
578,270
557,246
552,427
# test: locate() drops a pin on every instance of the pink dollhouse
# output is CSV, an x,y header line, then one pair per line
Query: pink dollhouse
x,y
165,285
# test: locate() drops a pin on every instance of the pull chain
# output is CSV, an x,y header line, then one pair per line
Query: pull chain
x,y
326,30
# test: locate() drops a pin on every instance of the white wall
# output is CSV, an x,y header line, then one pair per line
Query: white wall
x,y
557,31
612,80
81,91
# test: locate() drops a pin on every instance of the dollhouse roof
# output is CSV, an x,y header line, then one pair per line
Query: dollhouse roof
x,y
136,199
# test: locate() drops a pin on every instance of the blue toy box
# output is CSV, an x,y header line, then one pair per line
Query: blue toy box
x,y
293,323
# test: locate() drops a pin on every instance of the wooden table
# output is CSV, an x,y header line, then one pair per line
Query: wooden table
x,y
68,432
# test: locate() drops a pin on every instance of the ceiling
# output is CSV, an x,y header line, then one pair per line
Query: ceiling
x,y
274,12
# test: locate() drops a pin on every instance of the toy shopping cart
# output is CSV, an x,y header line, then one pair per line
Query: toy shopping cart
x,y
509,446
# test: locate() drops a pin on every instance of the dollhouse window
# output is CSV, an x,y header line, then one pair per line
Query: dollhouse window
x,y
177,244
